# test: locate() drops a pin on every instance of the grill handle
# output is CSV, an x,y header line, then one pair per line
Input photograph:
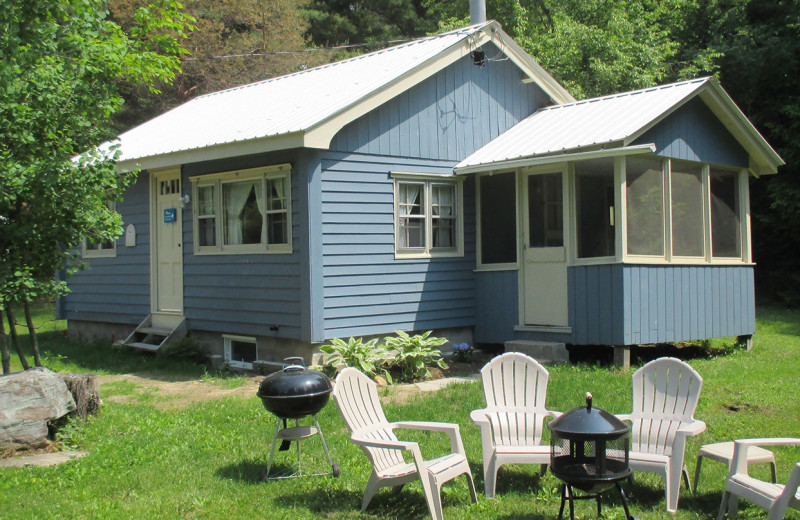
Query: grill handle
x,y
588,401
293,364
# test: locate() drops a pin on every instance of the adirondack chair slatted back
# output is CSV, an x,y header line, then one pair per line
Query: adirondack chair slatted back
x,y
515,387
356,397
665,394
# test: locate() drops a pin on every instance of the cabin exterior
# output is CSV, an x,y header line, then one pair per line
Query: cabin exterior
x,y
448,183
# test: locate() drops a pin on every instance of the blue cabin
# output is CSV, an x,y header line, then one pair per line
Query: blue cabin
x,y
448,183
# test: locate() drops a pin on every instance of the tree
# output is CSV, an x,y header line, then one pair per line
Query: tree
x,y
58,93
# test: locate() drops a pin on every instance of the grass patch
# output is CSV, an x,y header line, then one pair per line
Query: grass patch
x,y
204,460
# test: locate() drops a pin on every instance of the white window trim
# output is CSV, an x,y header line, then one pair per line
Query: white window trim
x,y
227,348
100,251
218,180
428,180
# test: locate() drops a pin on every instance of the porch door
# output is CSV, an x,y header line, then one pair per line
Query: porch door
x,y
168,255
545,257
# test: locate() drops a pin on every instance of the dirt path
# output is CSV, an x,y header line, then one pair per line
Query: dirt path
x,y
175,394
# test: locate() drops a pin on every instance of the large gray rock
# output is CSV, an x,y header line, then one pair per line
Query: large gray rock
x,y
28,400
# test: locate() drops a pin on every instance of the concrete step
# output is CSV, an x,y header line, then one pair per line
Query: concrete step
x,y
545,352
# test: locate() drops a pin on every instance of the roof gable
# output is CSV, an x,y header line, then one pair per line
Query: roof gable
x,y
616,121
307,108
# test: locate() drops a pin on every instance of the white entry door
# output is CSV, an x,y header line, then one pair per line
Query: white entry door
x,y
545,257
168,251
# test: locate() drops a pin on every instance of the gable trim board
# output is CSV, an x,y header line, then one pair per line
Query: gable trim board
x,y
216,126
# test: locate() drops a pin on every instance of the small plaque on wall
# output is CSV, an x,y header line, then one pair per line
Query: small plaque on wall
x,y
130,235
170,215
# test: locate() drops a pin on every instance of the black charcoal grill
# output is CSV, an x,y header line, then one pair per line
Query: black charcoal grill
x,y
295,393
589,451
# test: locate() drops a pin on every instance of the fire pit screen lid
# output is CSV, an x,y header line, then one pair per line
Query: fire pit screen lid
x,y
587,421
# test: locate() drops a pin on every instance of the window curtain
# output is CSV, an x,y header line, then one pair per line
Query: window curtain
x,y
236,194
442,201
409,199
275,194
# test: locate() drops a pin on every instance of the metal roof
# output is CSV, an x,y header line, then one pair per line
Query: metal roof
x,y
292,105
615,121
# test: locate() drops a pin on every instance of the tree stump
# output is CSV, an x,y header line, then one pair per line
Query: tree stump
x,y
84,390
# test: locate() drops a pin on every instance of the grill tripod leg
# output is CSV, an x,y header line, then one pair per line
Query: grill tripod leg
x,y
265,473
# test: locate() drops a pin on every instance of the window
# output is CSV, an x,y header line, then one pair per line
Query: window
x,y
427,216
247,211
686,193
93,248
644,182
240,351
726,235
498,218
594,192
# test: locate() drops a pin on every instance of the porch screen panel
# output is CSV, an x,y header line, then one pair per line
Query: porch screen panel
x,y
644,181
498,218
687,210
595,207
726,236
546,210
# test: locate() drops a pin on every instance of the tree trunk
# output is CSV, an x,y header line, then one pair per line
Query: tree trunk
x,y
12,330
6,357
37,359
84,390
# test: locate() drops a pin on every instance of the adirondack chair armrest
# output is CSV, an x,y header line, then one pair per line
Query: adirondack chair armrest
x,y
392,445
554,414
739,460
451,429
693,428
623,416
479,417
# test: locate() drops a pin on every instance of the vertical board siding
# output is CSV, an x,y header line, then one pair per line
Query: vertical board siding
x,y
636,304
496,305
117,290
447,116
365,289
246,294
693,133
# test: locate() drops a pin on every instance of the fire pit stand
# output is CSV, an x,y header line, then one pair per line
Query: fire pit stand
x,y
295,393
589,451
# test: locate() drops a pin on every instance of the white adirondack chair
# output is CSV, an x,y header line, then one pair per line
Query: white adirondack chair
x,y
665,395
356,398
775,498
515,388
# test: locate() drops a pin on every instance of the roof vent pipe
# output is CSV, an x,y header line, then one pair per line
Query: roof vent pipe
x,y
477,11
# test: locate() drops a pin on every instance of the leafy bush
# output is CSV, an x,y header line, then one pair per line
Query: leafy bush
x,y
463,352
414,354
365,356
184,348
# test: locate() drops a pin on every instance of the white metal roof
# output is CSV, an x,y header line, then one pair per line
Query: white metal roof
x,y
294,106
612,122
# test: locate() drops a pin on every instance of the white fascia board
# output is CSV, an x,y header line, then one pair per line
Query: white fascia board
x,y
557,158
763,158
222,151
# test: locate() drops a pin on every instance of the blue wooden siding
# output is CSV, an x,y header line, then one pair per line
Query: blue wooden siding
x,y
365,289
635,304
117,290
497,305
247,294
448,116
694,133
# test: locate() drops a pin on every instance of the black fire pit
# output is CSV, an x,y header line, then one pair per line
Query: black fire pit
x,y
589,451
294,393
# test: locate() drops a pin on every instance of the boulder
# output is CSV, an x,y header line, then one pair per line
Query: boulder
x,y
28,400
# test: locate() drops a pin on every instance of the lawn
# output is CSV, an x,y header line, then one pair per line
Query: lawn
x,y
151,460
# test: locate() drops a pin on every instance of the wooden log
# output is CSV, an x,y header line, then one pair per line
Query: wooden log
x,y
84,390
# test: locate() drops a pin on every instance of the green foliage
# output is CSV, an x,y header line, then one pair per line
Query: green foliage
x,y
415,354
365,356
186,348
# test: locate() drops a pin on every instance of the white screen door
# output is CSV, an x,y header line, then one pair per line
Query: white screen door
x,y
168,283
545,262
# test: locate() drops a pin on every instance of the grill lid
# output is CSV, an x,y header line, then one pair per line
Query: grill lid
x,y
588,422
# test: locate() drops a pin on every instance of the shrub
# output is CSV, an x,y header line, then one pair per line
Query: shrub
x,y
414,354
185,348
365,356
462,352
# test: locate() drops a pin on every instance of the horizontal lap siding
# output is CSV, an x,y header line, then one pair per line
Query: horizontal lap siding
x,y
365,289
684,303
497,305
246,294
117,290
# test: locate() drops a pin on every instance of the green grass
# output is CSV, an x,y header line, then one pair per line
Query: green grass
x,y
204,461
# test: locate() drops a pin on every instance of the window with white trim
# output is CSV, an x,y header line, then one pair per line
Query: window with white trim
x,y
246,211
240,351
427,216
96,248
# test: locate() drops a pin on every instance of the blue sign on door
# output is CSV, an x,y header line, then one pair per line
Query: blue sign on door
x,y
170,215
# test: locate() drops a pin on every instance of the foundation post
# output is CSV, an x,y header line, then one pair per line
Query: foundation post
x,y
622,356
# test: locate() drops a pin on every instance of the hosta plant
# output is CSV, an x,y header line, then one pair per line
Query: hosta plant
x,y
415,354
355,352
